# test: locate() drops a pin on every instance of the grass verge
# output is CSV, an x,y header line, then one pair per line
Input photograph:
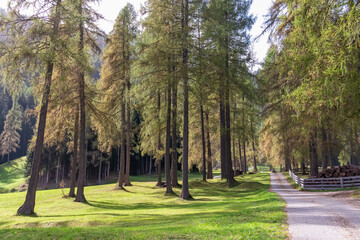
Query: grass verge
x,y
291,181
246,211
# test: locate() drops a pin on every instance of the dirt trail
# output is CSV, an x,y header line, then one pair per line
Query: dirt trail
x,y
316,215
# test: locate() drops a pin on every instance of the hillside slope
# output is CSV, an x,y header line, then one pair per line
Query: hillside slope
x,y
12,175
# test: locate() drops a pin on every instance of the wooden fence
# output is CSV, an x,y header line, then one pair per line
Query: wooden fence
x,y
326,183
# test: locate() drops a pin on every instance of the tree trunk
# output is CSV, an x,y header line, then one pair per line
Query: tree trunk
x,y
48,168
185,194
324,149
57,170
118,162
253,146
240,156
75,154
314,162
352,157
128,141
303,167
234,155
80,197
245,163
62,164
222,136
331,150
99,173
150,165
229,168
159,181
121,178
203,142
174,179
294,167
86,154
29,205
167,144
245,169
209,159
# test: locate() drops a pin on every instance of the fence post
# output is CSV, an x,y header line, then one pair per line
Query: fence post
x,y
342,182
322,185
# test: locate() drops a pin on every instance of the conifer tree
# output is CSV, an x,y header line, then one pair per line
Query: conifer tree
x,y
157,68
230,40
10,137
114,86
25,50
185,194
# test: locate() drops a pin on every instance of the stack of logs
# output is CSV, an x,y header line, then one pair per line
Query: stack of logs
x,y
342,171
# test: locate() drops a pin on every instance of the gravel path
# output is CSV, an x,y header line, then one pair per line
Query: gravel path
x,y
317,215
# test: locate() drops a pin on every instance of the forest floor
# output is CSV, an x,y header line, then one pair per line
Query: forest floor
x,y
245,211
318,215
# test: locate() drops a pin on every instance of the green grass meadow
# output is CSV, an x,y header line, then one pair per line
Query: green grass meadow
x,y
12,175
245,211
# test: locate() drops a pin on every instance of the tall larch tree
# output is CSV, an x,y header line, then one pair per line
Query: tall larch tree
x,y
38,43
231,42
114,87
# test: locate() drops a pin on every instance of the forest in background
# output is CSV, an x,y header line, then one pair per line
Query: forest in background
x,y
174,91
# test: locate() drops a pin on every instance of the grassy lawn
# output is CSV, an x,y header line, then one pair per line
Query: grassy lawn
x,y
246,211
12,175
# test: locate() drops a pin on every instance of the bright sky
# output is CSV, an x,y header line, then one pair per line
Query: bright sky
x,y
110,9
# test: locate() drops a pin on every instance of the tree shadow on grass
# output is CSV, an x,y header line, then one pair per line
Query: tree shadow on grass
x,y
116,188
33,215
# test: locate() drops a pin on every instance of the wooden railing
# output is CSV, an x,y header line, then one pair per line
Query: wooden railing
x,y
325,183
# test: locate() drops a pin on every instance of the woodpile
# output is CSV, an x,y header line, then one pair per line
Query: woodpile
x,y
341,171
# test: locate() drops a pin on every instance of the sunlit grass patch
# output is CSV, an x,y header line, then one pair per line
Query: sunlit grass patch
x,y
12,175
